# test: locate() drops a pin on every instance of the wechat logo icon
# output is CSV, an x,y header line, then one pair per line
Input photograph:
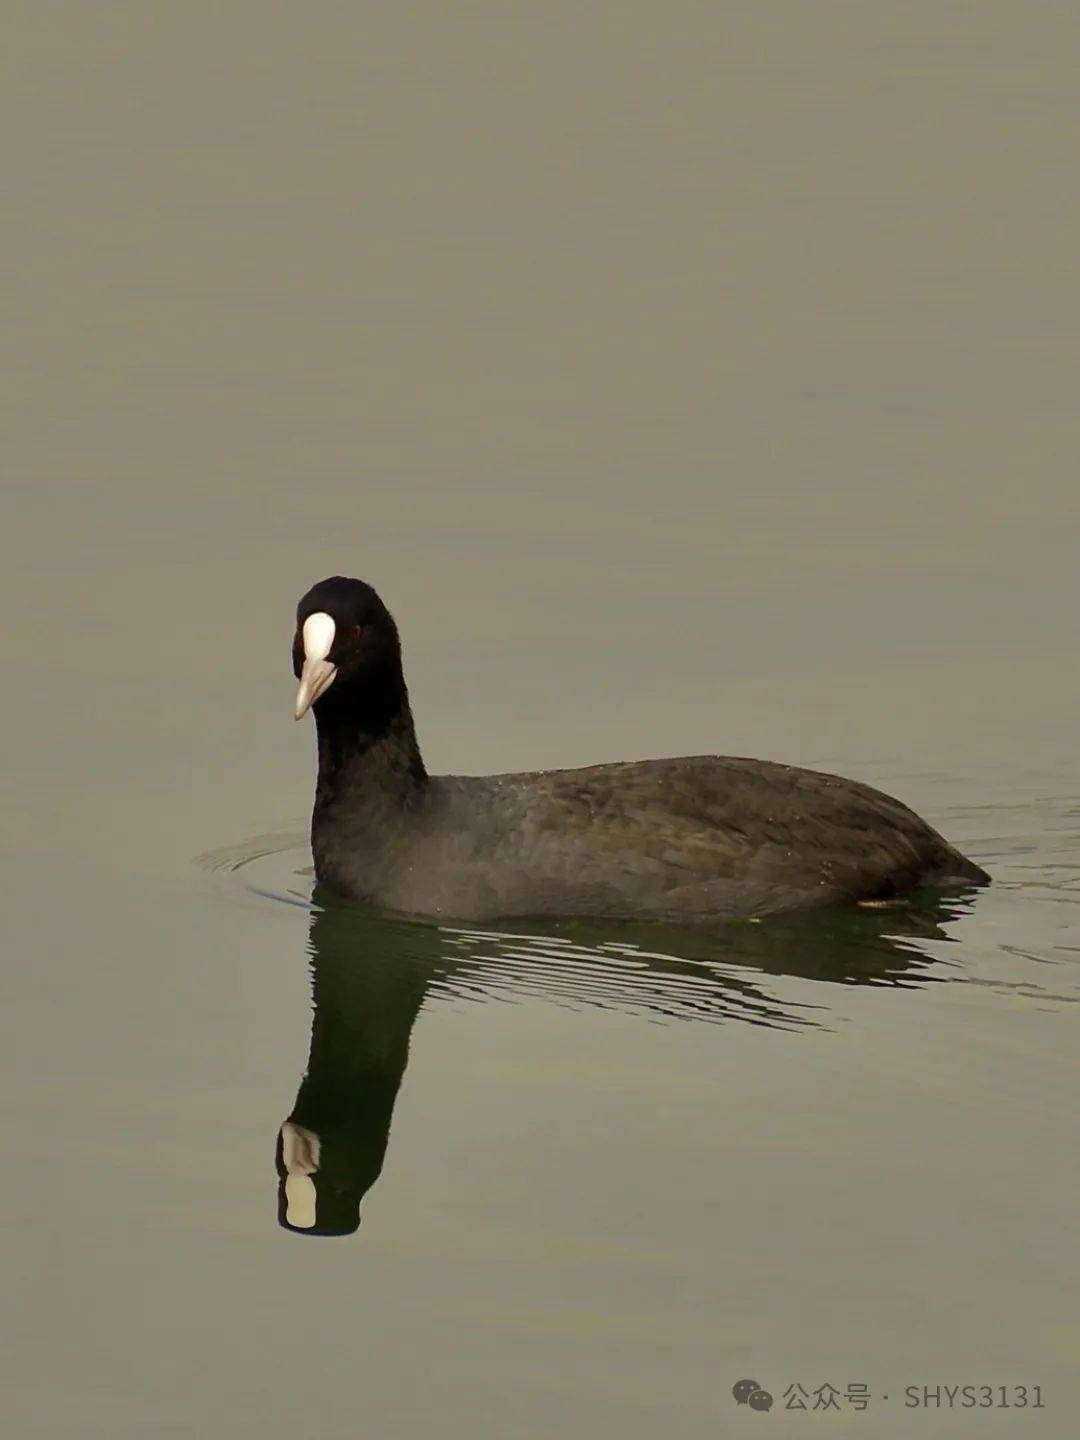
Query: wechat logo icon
x,y
749,1392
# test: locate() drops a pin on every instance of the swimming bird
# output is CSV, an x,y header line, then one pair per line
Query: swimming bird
x,y
695,838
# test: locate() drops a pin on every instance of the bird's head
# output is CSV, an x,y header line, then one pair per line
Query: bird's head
x,y
344,635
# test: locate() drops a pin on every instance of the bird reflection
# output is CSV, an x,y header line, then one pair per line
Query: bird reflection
x,y
370,977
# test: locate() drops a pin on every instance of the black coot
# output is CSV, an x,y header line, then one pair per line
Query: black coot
x,y
694,838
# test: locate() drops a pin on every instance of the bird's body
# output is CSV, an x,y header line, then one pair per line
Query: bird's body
x,y
695,838
692,838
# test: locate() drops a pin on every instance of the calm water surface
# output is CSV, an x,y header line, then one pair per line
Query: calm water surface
x,y
687,378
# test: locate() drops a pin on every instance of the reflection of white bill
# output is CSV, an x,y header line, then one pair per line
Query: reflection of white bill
x,y
300,1156
300,1201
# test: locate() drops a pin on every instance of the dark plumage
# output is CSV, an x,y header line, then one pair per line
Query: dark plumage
x,y
694,838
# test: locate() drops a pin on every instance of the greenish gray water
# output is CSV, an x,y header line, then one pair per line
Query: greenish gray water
x,y
686,378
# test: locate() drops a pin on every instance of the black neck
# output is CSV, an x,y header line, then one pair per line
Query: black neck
x,y
367,739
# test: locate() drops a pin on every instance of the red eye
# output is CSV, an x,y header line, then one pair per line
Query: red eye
x,y
356,632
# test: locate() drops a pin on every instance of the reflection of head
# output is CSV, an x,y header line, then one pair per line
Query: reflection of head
x,y
312,1201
